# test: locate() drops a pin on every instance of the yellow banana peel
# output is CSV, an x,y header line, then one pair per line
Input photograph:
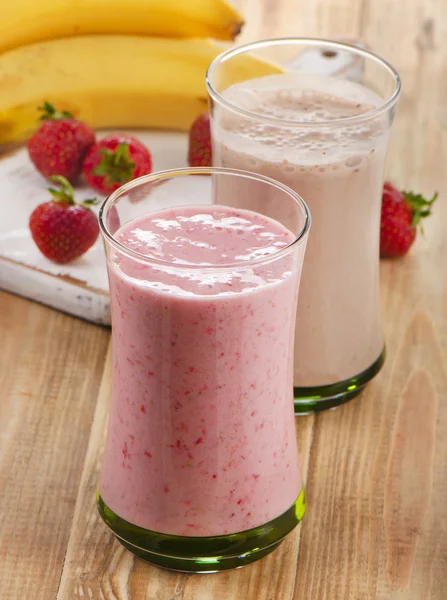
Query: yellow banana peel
x,y
25,22
112,81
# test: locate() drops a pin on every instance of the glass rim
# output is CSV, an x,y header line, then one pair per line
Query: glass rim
x,y
301,41
200,171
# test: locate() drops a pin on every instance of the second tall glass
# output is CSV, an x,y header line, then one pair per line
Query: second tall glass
x,y
325,137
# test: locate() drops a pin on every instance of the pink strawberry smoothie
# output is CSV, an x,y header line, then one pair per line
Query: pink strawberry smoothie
x,y
201,435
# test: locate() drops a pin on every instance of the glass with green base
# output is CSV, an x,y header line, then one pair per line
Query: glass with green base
x,y
317,117
201,470
208,554
310,399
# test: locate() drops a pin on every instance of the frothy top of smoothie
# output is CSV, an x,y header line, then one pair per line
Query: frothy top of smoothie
x,y
203,237
304,99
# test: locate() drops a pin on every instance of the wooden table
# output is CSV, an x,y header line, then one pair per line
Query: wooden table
x,y
375,470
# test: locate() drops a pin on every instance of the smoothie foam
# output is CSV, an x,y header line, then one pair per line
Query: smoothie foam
x,y
201,436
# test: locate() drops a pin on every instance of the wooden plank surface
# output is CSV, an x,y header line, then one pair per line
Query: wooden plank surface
x,y
375,470
51,368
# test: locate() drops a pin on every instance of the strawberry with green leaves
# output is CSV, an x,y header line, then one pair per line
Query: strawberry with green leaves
x,y
62,229
60,144
115,160
402,213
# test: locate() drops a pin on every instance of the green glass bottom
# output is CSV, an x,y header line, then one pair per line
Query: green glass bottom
x,y
203,554
308,400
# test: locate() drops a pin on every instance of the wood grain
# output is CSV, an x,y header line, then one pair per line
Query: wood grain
x,y
49,376
408,481
375,470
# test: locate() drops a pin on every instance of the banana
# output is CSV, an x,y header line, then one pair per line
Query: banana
x,y
113,81
25,22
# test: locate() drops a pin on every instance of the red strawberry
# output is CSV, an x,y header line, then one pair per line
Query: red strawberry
x,y
63,230
200,153
115,160
60,144
401,214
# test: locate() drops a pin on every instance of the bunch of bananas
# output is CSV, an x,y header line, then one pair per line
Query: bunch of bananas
x,y
138,63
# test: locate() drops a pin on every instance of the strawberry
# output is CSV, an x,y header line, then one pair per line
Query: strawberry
x,y
401,214
115,160
63,230
60,144
200,153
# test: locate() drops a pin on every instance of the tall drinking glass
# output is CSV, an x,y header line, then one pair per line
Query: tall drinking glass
x,y
201,471
325,137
